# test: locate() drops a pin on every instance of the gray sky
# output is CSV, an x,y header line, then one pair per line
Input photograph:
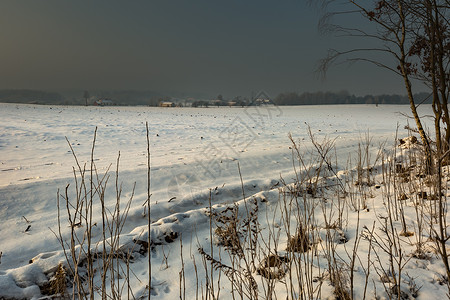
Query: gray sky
x,y
213,47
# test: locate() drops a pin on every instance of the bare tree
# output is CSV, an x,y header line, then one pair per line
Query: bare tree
x,y
416,34
86,97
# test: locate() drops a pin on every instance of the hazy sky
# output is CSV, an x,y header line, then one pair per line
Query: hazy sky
x,y
227,47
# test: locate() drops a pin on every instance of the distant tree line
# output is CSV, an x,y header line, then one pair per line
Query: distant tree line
x,y
30,96
131,97
343,97
149,98
220,101
200,103
80,97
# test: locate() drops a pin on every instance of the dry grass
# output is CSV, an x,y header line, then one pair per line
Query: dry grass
x,y
293,256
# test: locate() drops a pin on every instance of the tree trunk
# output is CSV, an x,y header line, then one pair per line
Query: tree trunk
x,y
405,75
422,133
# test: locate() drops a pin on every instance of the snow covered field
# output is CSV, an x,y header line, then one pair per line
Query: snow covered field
x,y
193,151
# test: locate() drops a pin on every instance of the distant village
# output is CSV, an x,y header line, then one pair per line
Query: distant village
x,y
191,102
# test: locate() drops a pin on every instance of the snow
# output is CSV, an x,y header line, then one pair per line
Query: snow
x,y
194,154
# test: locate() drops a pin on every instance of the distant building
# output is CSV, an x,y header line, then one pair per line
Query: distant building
x,y
166,104
216,102
260,101
104,102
